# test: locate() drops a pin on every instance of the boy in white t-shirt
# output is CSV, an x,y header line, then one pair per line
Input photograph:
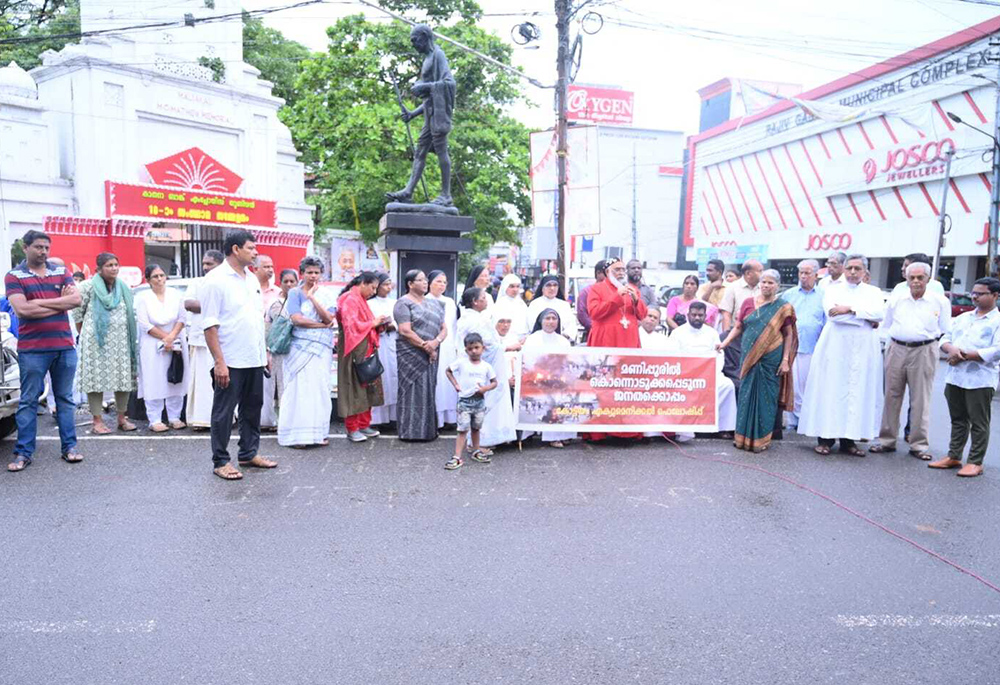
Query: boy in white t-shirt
x,y
472,378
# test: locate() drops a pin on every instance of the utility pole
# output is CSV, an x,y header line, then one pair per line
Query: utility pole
x,y
943,214
562,8
635,230
991,248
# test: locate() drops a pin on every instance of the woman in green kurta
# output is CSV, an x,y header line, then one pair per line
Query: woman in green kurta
x,y
769,344
107,348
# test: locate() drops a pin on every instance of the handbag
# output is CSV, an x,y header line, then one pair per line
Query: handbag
x,y
368,369
175,372
279,337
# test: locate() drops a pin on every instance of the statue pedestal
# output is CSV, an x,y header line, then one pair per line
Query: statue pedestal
x,y
425,241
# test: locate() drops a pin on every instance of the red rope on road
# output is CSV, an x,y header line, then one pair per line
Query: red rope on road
x,y
753,467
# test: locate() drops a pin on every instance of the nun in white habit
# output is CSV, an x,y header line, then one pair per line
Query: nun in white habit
x,y
546,339
549,296
381,305
510,305
445,397
498,426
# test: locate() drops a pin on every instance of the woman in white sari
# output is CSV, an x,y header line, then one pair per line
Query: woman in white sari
x,y
160,315
549,296
545,339
510,305
498,426
381,305
304,418
445,397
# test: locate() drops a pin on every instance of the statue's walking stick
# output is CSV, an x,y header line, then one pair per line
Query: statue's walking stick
x,y
409,134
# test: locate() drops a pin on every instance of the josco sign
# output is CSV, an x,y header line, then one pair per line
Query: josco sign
x,y
829,241
911,163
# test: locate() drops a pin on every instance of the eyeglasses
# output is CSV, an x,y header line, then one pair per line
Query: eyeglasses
x,y
977,294
854,268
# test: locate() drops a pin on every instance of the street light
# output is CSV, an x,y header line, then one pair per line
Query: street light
x,y
991,247
958,120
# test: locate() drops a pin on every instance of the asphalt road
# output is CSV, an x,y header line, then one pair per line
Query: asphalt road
x,y
372,564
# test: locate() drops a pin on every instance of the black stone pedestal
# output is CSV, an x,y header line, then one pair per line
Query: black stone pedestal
x,y
425,241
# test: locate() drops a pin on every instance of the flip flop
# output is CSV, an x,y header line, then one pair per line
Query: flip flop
x,y
72,457
126,426
854,451
923,456
879,448
102,430
821,449
227,472
259,462
19,464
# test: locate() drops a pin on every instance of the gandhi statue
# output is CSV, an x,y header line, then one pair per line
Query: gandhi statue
x,y
437,89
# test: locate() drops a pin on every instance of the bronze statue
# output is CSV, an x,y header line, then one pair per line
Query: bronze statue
x,y
437,89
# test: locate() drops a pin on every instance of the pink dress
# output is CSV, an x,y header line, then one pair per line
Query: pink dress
x,y
678,305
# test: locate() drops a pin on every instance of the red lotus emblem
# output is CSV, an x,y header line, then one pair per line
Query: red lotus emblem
x,y
193,169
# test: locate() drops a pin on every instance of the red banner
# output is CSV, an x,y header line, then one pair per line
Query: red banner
x,y
158,203
588,389
599,105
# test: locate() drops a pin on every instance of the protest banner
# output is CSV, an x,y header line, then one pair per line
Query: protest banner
x,y
606,389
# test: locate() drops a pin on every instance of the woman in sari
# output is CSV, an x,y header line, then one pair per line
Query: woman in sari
x,y
108,342
498,426
769,343
356,341
679,304
381,306
275,385
445,397
306,405
421,332
546,339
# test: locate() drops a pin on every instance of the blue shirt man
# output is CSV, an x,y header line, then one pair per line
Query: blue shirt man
x,y
809,321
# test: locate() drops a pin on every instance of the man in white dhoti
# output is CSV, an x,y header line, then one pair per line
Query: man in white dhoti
x,y
651,337
810,317
199,393
694,336
845,376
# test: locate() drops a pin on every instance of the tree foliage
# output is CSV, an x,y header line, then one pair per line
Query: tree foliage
x,y
25,19
278,58
346,122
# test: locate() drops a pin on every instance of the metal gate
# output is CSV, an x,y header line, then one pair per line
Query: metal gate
x,y
203,239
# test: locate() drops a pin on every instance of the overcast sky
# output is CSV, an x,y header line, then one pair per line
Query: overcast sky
x,y
667,49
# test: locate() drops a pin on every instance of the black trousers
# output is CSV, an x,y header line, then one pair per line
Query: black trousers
x,y
245,390
731,363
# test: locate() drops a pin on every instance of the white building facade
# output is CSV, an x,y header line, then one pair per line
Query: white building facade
x,y
857,165
129,145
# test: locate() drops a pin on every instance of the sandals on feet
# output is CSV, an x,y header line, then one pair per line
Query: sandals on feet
x,y
178,425
879,448
19,464
259,462
481,456
453,463
227,472
126,426
821,449
923,456
854,451
72,457
100,429
158,427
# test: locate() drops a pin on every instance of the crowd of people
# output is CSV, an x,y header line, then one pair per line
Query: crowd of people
x,y
246,343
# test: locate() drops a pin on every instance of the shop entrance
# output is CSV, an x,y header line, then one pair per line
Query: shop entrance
x,y
178,249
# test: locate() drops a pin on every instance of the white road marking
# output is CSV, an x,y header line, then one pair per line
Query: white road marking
x,y
79,626
907,621
206,436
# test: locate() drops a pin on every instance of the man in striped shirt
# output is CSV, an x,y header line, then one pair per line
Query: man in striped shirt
x,y
41,292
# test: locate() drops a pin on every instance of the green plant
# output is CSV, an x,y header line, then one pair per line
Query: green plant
x,y
216,66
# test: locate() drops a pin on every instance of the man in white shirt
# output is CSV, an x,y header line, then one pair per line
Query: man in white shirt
x,y
649,337
973,349
234,332
902,288
736,294
834,270
695,336
845,374
914,322
199,392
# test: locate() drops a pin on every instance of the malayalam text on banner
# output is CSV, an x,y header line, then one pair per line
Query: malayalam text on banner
x,y
599,389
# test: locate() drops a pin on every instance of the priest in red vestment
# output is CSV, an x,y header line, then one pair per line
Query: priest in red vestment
x,y
616,308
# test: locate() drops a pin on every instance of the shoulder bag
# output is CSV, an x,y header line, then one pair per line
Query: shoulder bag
x,y
368,369
279,337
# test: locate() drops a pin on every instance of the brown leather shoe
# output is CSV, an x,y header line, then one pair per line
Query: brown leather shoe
x,y
970,471
946,463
